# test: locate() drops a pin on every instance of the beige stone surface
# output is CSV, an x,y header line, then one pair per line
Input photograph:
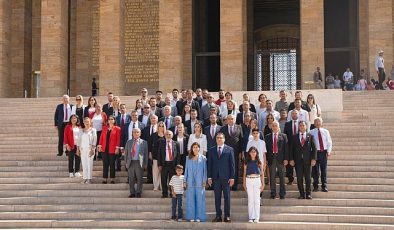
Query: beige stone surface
x,y
54,47
36,35
312,38
380,37
5,51
233,49
187,74
111,53
170,45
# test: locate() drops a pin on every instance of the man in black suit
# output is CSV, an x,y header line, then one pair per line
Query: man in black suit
x,y
121,120
179,103
291,129
207,122
241,115
168,158
146,135
234,138
159,99
108,108
211,130
221,174
145,116
303,156
193,104
61,118
304,104
153,108
177,121
193,120
277,157
167,118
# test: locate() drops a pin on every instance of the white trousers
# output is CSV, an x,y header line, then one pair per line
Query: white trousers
x,y
156,176
253,189
87,164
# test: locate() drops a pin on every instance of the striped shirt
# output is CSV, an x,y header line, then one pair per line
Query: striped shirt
x,y
176,183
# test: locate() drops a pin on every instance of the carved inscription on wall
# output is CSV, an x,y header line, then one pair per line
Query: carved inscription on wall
x,y
141,45
95,61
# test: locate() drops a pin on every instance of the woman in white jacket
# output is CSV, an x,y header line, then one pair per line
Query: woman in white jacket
x,y
86,147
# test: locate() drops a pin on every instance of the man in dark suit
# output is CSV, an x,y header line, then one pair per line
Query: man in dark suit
x,y
61,118
241,115
193,120
159,99
221,174
179,103
177,121
145,116
277,157
153,108
304,104
291,129
303,156
168,158
167,118
206,109
211,130
108,108
207,122
234,138
193,104
121,120
146,135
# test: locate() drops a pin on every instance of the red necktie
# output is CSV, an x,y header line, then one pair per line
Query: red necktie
x,y
134,149
320,140
302,140
275,148
294,128
169,151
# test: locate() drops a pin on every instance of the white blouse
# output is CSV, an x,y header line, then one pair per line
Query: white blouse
x,y
97,122
202,140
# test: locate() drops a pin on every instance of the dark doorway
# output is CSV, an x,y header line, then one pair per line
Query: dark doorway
x,y
341,37
274,45
206,44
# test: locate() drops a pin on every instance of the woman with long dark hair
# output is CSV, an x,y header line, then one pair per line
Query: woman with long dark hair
x,y
71,133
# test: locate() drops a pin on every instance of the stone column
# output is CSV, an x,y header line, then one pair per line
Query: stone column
x,y
111,52
187,21
312,39
5,52
380,34
170,45
233,45
54,47
363,34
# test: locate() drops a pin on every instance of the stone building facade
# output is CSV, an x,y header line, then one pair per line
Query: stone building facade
x,y
165,44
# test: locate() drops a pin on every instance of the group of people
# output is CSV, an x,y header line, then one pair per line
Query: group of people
x,y
349,83
188,143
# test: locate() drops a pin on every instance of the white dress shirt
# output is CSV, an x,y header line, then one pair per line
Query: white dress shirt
x,y
325,134
131,128
379,63
347,76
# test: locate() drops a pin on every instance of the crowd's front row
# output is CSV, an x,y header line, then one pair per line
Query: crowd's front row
x,y
218,169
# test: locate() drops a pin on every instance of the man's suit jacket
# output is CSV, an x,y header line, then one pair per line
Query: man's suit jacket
x,y
211,140
161,104
162,153
199,100
188,126
207,122
59,114
283,148
108,110
239,119
143,152
252,108
300,153
235,140
172,123
289,130
125,132
127,119
304,106
185,141
158,112
223,167
179,106
140,117
206,111
194,105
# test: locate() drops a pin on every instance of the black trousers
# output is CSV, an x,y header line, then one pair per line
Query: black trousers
x,y
60,133
221,186
73,158
97,143
149,175
382,77
303,170
118,160
108,162
320,167
277,166
167,172
236,159
290,172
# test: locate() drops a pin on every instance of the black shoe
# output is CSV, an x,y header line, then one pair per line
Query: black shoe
x,y
290,183
324,190
315,189
149,182
272,196
117,170
282,197
104,182
138,195
59,154
309,197
234,188
112,182
131,195
217,219
301,197
164,196
227,220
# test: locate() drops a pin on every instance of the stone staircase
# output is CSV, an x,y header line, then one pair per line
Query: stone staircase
x,y
35,191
